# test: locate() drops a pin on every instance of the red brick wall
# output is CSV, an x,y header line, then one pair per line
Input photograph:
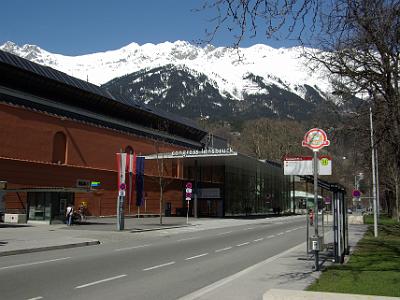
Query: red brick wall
x,y
26,153
29,135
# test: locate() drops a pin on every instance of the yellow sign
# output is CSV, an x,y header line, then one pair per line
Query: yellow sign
x,y
324,161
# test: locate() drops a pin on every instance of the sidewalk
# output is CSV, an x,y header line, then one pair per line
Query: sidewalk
x,y
284,271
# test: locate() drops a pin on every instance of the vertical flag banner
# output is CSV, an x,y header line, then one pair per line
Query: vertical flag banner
x,y
131,172
122,168
121,164
139,181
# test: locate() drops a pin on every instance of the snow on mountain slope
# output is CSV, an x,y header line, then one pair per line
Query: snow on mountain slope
x,y
281,67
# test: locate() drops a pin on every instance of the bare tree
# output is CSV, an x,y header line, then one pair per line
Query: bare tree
x,y
248,18
271,139
355,41
163,181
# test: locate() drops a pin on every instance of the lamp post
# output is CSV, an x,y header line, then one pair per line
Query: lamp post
x,y
373,175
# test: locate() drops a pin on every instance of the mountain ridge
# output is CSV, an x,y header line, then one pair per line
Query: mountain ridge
x,y
199,82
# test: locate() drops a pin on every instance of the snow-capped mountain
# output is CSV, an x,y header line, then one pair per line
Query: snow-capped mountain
x,y
225,66
223,80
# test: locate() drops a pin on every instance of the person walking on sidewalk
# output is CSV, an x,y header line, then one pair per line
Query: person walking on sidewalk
x,y
69,213
311,217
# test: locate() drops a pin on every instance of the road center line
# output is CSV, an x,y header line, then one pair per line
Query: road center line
x,y
280,233
250,228
35,298
159,266
288,231
222,233
193,257
99,281
257,240
130,248
34,263
243,244
223,249
187,239
270,236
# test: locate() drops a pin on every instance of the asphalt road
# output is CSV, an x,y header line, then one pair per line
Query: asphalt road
x,y
149,266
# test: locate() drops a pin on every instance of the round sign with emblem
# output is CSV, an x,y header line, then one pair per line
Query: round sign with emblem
x,y
122,186
315,139
324,161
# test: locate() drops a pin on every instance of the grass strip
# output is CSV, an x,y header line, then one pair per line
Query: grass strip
x,y
373,268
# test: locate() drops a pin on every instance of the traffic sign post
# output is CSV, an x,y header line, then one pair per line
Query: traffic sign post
x,y
188,198
315,139
356,194
121,164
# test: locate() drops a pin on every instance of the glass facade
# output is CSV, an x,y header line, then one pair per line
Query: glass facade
x,y
254,187
233,184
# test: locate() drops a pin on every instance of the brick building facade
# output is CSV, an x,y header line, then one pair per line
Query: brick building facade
x,y
56,130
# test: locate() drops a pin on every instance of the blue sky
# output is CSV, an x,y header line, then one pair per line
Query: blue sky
x,y
73,27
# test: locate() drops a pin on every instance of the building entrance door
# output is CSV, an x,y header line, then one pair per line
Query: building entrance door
x,y
48,206
210,208
39,206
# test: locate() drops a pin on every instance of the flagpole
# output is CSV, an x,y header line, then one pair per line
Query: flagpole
x,y
130,188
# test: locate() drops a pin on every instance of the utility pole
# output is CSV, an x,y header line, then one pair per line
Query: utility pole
x,y
373,175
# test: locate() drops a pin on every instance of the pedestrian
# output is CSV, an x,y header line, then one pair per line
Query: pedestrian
x,y
311,217
82,214
69,213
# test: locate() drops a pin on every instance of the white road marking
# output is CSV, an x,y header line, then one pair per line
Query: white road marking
x,y
288,231
205,290
34,263
223,249
280,233
197,256
250,228
99,281
130,248
35,298
222,233
257,240
242,244
270,236
159,266
191,238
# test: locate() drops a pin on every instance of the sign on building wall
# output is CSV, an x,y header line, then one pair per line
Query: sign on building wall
x,y
210,193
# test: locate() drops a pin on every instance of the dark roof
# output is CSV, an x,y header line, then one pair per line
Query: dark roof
x,y
98,98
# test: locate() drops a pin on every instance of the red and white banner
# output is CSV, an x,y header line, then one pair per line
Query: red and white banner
x,y
122,167
131,173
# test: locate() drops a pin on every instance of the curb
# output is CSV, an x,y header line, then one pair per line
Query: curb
x,y
39,249
159,228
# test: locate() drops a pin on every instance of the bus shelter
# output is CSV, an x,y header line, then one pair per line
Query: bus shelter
x,y
340,245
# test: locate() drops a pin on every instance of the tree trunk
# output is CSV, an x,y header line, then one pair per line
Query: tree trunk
x,y
397,215
161,200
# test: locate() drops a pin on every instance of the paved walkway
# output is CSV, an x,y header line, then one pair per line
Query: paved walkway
x,y
290,270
